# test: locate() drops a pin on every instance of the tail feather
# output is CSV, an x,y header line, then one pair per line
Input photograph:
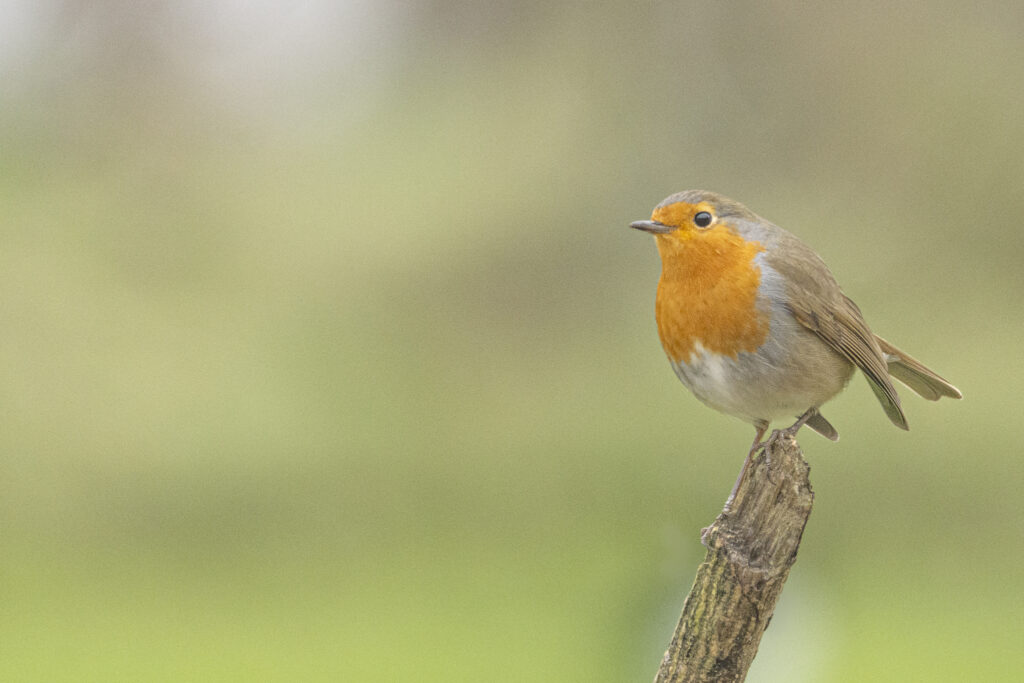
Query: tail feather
x,y
915,375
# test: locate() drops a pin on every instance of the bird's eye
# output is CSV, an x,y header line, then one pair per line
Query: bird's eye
x,y
702,219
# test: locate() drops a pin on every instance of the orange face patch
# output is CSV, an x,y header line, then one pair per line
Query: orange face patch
x,y
680,214
707,293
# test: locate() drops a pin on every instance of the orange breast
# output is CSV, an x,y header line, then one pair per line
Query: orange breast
x,y
707,294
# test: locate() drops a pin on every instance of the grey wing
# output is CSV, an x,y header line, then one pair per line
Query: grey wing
x,y
844,330
818,303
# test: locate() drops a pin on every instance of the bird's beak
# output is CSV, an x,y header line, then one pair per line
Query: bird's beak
x,y
652,226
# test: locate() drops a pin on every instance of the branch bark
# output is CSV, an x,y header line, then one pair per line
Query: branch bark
x,y
751,546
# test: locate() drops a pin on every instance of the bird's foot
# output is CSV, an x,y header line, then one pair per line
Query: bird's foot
x,y
793,428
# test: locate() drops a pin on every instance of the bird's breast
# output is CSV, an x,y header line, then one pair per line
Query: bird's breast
x,y
708,297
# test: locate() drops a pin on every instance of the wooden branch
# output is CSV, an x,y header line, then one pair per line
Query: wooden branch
x,y
751,546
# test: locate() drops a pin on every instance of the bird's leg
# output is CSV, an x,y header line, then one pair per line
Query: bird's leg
x,y
800,422
761,428
791,430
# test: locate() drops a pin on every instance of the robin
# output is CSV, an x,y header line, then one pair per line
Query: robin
x,y
755,324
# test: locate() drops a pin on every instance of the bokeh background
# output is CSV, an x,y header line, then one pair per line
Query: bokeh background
x,y
327,354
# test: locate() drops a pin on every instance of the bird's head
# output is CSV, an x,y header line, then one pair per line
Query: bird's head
x,y
694,214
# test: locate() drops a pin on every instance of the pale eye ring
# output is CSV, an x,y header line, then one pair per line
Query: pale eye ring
x,y
703,219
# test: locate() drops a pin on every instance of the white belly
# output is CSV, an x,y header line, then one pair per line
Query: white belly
x,y
765,386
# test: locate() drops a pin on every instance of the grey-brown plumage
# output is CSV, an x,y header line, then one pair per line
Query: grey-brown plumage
x,y
818,303
915,375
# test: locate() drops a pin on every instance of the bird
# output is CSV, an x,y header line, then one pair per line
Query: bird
x,y
755,325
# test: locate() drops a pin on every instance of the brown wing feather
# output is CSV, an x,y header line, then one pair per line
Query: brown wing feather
x,y
852,337
818,303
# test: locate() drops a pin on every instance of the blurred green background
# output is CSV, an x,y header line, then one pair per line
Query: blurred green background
x,y
327,353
